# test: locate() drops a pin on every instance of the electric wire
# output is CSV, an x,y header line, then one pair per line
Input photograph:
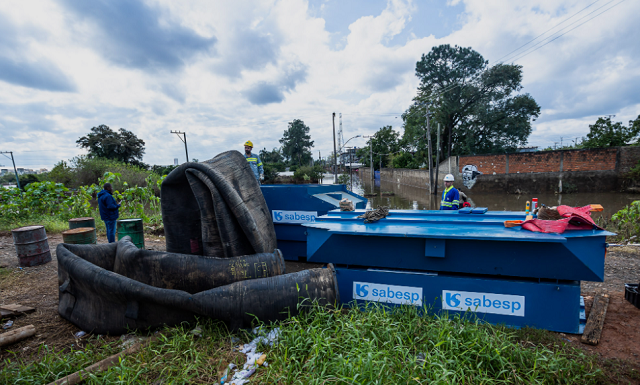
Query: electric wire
x,y
557,37
536,38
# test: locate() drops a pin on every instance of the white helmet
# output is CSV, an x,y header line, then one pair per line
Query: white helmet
x,y
448,178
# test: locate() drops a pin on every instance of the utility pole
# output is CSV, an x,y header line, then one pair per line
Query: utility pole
x,y
561,142
15,171
335,159
184,134
435,190
431,190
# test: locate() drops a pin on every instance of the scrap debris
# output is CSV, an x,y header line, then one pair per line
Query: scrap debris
x,y
254,358
375,215
14,310
593,328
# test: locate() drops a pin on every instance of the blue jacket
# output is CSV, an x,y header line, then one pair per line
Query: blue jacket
x,y
108,206
256,164
450,199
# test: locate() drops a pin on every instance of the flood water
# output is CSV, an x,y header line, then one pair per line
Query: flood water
x,y
403,197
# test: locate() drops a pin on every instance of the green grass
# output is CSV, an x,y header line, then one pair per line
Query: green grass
x,y
346,346
52,224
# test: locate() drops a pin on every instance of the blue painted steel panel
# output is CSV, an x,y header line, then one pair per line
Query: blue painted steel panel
x,y
475,244
547,305
292,237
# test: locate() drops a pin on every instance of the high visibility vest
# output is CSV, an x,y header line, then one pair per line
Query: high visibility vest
x,y
256,164
450,199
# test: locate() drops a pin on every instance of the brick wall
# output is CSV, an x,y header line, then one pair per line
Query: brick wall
x,y
629,157
601,159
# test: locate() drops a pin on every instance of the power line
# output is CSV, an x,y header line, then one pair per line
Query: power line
x,y
537,46
559,36
534,39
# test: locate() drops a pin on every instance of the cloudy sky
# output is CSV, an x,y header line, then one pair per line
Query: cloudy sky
x,y
228,71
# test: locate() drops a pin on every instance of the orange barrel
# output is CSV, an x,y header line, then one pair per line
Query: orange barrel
x,y
31,245
76,223
80,236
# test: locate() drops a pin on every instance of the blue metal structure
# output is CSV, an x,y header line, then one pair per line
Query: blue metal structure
x,y
293,205
459,261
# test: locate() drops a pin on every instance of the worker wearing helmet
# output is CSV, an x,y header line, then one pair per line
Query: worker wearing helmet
x,y
254,161
450,196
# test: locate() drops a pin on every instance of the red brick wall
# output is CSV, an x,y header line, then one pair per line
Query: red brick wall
x,y
602,159
590,160
487,164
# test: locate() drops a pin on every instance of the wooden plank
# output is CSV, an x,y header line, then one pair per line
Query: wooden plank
x,y
17,335
17,308
593,328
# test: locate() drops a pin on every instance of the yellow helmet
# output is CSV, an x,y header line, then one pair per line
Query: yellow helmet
x,y
248,143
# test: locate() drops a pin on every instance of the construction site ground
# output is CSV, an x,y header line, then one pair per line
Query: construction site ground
x,y
38,287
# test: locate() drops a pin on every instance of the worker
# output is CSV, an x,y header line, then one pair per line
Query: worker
x,y
254,161
450,195
108,211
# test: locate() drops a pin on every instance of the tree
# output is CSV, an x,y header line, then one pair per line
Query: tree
x,y
296,143
605,133
476,105
273,156
103,142
384,143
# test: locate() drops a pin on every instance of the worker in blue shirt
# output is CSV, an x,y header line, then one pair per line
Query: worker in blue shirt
x,y
108,211
254,161
450,195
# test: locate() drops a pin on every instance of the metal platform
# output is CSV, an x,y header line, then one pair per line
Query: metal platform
x,y
461,261
292,205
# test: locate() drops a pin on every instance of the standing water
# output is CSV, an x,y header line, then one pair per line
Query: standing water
x,y
398,196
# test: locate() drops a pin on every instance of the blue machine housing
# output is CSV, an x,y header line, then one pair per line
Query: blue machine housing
x,y
458,261
292,206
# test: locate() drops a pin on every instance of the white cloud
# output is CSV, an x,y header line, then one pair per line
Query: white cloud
x,y
275,51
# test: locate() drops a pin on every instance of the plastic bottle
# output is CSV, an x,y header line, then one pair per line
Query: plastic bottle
x,y
534,204
368,205
415,205
528,210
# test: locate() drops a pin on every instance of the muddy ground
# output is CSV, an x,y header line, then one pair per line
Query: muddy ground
x,y
38,287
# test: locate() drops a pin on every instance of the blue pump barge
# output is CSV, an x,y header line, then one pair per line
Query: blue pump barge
x,y
460,261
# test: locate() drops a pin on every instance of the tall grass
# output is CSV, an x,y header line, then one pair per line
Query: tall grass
x,y
347,346
377,346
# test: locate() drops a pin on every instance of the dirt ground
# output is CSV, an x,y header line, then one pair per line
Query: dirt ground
x,y
38,287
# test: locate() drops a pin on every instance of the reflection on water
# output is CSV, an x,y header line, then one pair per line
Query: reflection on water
x,y
405,195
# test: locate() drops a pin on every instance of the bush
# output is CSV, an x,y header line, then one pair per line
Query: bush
x,y
627,220
85,171
270,174
308,173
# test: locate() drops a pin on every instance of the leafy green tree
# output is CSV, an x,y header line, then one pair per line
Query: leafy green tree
x,y
296,143
383,143
605,133
273,156
123,146
479,107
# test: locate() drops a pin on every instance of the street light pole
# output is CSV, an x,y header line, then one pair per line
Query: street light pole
x,y
184,134
335,153
15,171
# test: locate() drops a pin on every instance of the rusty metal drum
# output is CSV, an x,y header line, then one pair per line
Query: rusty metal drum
x,y
76,223
133,228
80,236
32,246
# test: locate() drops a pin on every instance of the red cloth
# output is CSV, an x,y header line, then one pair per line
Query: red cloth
x,y
575,218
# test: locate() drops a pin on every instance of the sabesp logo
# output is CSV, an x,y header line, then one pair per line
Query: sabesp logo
x,y
504,304
281,216
452,300
379,292
361,290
